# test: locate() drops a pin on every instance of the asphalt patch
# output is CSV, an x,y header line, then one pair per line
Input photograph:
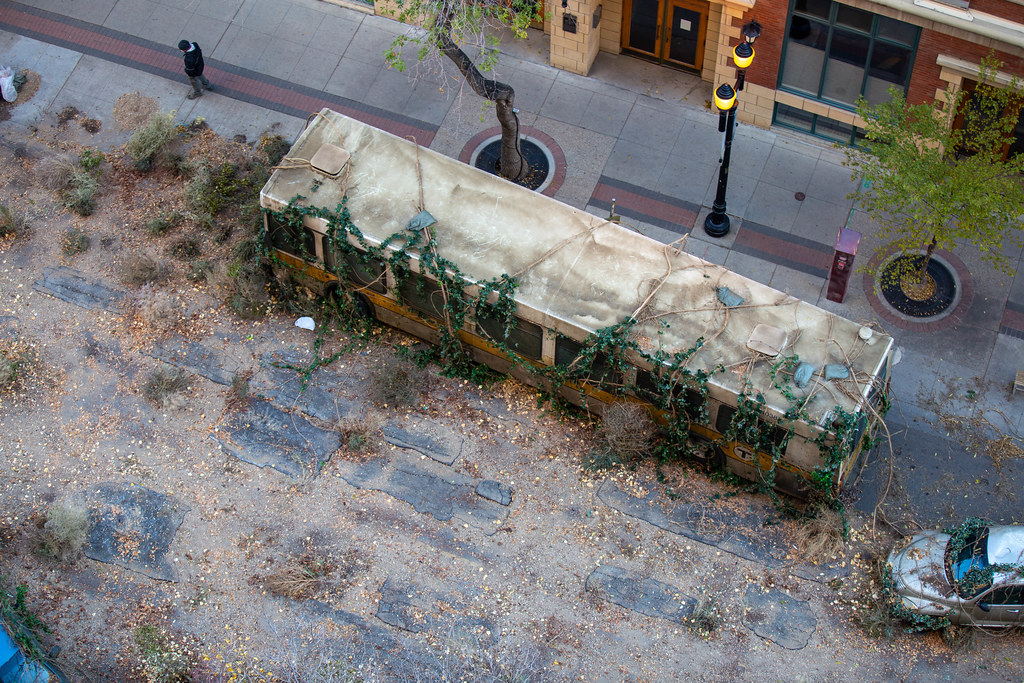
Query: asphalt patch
x,y
640,593
266,436
444,495
321,397
436,441
75,288
213,364
778,617
133,527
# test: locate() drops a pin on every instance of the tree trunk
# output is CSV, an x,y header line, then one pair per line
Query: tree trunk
x,y
512,165
923,270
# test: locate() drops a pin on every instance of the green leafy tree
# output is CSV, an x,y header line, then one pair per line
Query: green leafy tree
x,y
444,27
935,185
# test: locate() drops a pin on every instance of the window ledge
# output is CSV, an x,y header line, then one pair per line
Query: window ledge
x,y
980,23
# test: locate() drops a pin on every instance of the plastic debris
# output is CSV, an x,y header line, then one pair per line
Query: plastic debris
x,y
7,84
836,371
802,375
306,323
728,297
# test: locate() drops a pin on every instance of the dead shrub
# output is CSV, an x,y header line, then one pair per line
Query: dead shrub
x,y
80,194
157,309
164,387
706,617
302,577
396,382
627,429
820,536
151,140
362,436
64,532
238,393
54,173
138,270
12,222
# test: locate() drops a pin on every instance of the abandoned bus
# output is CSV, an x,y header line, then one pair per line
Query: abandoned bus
x,y
771,388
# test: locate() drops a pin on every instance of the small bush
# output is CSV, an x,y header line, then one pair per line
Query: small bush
x,y
64,532
74,241
144,270
90,159
80,195
212,190
396,382
199,271
164,387
361,436
12,223
274,147
238,392
599,460
185,248
164,658
158,225
150,141
627,429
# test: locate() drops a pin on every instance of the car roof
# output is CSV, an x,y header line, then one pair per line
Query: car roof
x,y
1006,546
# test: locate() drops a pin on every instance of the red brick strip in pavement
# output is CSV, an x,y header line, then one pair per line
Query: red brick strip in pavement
x,y
1013,320
230,81
645,205
784,249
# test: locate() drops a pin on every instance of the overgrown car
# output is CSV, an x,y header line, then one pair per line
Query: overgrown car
x,y
973,575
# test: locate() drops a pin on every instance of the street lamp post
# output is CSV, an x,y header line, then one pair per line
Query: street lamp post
x,y
717,222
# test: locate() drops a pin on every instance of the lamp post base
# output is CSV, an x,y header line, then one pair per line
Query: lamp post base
x,y
716,224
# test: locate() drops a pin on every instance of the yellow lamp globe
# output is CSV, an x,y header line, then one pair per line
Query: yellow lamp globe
x,y
743,55
725,97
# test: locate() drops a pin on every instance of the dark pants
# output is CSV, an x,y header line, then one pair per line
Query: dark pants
x,y
195,81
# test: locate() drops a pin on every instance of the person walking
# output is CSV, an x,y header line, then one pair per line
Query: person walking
x,y
194,68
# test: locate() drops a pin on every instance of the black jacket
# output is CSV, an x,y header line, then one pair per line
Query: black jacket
x,y
194,61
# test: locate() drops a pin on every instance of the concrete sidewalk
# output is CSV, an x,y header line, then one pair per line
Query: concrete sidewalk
x,y
634,132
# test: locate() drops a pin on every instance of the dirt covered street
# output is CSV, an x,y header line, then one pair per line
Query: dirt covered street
x,y
196,489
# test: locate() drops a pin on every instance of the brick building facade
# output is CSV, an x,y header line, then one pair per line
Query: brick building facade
x,y
814,57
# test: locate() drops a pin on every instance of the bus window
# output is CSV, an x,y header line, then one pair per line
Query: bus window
x,y
423,295
567,350
725,413
293,239
361,269
647,388
524,338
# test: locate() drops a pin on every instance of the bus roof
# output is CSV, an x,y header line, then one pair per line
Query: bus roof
x,y
577,267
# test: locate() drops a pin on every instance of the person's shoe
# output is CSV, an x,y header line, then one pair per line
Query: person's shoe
x,y
209,87
193,95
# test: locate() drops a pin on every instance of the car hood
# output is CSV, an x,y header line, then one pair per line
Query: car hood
x,y
918,568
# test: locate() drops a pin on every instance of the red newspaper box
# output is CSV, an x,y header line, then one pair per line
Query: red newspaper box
x,y
842,264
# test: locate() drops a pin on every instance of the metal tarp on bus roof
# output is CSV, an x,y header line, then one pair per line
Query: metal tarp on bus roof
x,y
577,267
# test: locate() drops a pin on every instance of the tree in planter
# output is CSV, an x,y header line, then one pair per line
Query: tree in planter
x,y
934,185
445,26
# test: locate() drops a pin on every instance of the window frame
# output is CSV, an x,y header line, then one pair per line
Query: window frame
x,y
873,39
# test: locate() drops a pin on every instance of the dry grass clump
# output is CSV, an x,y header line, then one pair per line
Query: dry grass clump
x,y
627,429
706,617
820,538
157,310
12,222
64,532
141,269
396,382
54,173
164,657
152,140
362,436
165,386
19,361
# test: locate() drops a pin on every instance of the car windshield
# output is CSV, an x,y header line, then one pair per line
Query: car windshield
x,y
970,563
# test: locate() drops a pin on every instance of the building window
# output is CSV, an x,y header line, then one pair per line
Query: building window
x,y
835,54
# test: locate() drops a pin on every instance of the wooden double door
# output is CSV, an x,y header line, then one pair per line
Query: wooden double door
x,y
669,31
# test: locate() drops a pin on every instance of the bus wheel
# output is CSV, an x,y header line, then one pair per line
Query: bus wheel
x,y
354,301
